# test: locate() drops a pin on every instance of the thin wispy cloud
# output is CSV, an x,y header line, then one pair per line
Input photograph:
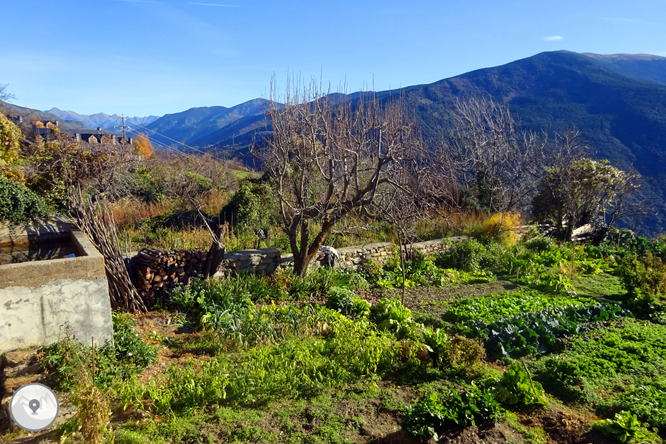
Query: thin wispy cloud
x,y
215,4
628,20
553,38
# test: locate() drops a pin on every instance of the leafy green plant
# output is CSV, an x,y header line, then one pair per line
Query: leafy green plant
x,y
432,411
540,332
391,316
496,307
540,244
466,255
343,351
347,303
624,427
621,368
438,344
516,388
128,356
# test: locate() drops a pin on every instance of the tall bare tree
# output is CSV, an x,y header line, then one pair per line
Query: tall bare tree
x,y
485,152
328,156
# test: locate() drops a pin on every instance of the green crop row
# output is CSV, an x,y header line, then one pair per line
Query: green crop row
x,y
619,369
495,307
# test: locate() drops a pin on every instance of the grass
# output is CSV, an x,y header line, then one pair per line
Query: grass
x,y
240,174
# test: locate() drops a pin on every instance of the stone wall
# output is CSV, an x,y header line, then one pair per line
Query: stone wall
x,y
37,316
262,260
354,257
155,269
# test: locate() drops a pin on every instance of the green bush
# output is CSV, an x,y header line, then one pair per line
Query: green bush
x,y
318,283
19,205
466,255
128,356
540,244
234,294
347,303
644,278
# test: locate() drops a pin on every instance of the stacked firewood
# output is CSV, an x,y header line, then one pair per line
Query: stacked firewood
x,y
157,269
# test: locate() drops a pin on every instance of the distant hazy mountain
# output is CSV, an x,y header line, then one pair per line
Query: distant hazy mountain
x,y
618,102
105,121
646,67
194,126
65,125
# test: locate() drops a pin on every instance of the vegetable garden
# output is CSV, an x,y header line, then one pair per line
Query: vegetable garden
x,y
504,343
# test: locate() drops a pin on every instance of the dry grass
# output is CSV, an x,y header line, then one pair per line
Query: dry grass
x,y
129,212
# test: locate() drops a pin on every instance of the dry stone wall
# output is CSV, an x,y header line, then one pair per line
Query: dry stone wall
x,y
154,270
355,257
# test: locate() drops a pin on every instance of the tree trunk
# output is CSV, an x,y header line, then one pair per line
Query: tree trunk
x,y
215,254
303,258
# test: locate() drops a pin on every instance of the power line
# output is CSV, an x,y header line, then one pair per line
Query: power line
x,y
173,140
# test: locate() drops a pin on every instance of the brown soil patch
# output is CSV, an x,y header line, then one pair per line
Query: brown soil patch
x,y
564,426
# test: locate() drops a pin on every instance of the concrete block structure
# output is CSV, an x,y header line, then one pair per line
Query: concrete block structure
x,y
39,299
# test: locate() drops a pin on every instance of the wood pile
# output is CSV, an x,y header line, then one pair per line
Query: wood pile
x,y
157,269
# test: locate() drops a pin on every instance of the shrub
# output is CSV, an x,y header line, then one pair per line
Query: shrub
x,y
347,303
500,227
203,296
466,255
128,356
644,278
540,244
19,205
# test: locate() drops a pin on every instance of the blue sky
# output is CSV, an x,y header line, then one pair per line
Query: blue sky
x,y
140,57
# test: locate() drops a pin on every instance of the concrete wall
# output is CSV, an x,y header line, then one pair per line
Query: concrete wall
x,y
35,316
36,298
53,228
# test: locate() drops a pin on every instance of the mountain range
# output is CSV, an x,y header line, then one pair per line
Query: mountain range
x,y
102,120
618,102
27,113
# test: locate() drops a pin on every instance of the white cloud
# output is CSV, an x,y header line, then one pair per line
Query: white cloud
x,y
215,4
552,38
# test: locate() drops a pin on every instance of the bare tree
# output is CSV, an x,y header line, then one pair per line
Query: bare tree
x,y
5,95
403,203
328,159
485,152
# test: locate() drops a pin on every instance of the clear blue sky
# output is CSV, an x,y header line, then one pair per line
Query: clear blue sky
x,y
141,57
